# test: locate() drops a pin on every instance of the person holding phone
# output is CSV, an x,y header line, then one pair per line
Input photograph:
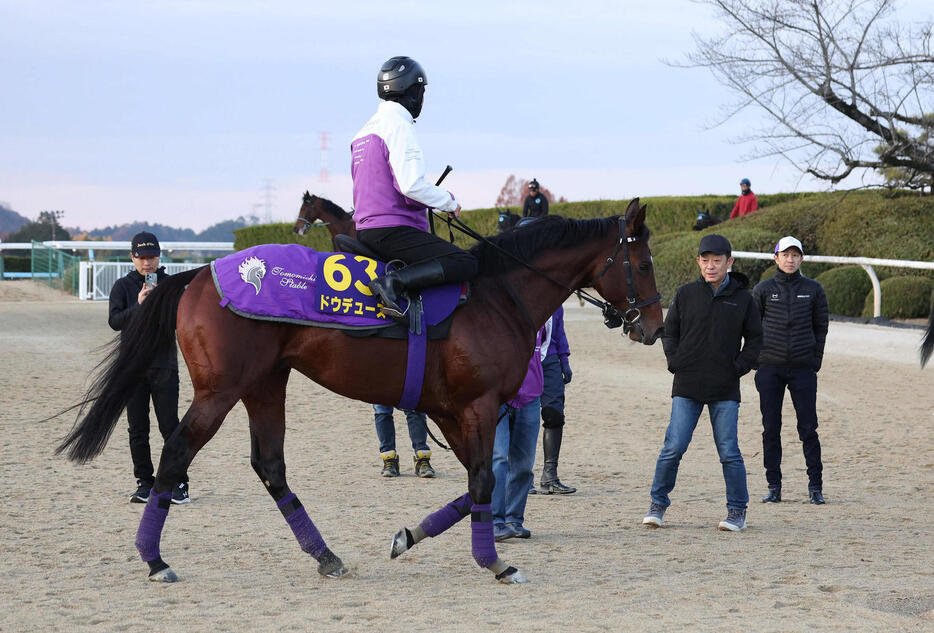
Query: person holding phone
x,y
161,381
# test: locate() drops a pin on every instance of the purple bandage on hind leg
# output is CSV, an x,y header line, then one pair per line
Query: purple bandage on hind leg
x,y
437,522
305,531
481,534
150,526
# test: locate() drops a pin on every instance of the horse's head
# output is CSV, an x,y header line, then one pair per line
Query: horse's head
x,y
627,280
704,219
507,222
306,215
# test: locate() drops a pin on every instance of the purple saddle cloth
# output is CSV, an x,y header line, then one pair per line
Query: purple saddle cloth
x,y
295,284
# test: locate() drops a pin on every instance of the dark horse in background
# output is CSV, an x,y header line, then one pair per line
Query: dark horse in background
x,y
317,211
467,376
704,220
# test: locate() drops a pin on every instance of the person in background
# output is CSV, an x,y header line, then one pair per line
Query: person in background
x,y
514,448
712,337
556,368
794,328
418,433
536,203
747,201
161,381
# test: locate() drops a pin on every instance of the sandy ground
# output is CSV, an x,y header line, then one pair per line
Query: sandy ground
x,y
863,562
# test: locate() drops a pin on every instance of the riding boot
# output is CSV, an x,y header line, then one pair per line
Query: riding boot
x,y
393,284
551,446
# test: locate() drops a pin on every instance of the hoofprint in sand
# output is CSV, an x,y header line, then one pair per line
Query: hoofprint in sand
x,y
861,562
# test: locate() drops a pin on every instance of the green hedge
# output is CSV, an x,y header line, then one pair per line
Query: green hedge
x,y
904,297
17,263
846,288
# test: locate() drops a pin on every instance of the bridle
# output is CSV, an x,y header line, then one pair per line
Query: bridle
x,y
631,319
305,200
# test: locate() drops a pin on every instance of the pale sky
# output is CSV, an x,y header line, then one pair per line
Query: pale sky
x,y
177,111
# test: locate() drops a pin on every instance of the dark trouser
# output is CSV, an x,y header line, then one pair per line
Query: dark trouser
x,y
162,384
771,382
413,246
552,392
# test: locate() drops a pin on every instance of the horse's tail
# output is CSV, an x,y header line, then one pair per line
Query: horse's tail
x,y
927,344
150,329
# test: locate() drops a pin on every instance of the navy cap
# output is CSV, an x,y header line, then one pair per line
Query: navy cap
x,y
145,244
716,244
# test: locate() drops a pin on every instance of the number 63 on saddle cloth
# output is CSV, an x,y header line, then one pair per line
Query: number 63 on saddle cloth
x,y
295,284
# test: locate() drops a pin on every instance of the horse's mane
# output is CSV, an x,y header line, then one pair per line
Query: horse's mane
x,y
548,232
333,208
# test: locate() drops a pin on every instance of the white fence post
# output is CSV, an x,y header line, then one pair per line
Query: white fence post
x,y
876,291
83,280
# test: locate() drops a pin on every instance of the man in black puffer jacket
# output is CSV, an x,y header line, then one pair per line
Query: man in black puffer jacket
x,y
794,324
712,337
161,381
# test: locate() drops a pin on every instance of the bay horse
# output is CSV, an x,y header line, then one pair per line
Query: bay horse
x,y
524,276
315,209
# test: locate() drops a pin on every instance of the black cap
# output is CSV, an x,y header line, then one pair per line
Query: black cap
x,y
145,244
716,244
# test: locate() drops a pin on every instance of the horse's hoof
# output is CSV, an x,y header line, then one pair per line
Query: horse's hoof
x,y
330,566
164,575
400,544
511,576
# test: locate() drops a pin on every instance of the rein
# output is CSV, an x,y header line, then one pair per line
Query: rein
x,y
310,223
612,317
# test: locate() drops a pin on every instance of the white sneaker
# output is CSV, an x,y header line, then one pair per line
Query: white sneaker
x,y
735,521
655,516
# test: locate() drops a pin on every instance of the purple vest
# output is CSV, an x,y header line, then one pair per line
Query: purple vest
x,y
377,201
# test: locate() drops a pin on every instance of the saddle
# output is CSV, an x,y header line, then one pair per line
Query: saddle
x,y
435,330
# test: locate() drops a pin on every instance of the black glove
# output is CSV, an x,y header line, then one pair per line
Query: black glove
x,y
566,370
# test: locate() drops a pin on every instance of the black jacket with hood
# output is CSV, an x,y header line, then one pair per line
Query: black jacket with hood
x,y
710,341
124,302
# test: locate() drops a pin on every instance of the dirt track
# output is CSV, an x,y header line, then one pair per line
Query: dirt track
x,y
862,562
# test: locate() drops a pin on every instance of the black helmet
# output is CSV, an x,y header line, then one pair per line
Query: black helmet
x,y
397,75
533,184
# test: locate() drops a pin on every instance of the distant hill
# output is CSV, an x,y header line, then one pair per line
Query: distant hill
x,y
220,232
11,221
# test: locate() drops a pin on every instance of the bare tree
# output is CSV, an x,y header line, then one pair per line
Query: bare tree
x,y
845,86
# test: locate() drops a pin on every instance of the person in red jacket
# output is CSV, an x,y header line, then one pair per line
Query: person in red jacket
x,y
747,201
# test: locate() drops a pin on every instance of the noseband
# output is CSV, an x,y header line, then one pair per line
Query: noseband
x,y
631,319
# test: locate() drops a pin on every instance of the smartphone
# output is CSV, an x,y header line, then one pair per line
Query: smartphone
x,y
151,280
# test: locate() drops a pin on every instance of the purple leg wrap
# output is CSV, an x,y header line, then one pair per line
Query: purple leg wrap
x,y
150,526
305,531
437,522
481,537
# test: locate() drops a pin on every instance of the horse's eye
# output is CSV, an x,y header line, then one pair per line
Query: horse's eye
x,y
645,267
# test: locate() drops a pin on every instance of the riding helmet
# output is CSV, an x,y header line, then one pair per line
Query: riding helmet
x,y
397,75
745,181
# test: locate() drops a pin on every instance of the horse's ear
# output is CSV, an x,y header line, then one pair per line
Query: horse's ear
x,y
635,215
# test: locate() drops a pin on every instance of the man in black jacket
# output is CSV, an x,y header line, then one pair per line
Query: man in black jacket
x,y
161,381
536,203
794,324
712,337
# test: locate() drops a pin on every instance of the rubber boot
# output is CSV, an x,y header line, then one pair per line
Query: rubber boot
x,y
395,283
551,446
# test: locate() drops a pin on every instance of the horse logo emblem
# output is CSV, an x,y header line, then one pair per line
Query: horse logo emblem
x,y
252,270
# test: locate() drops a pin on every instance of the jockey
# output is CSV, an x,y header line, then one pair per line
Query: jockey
x,y
391,195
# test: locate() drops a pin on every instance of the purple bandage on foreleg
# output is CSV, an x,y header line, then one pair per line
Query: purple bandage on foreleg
x,y
305,531
150,526
437,522
481,534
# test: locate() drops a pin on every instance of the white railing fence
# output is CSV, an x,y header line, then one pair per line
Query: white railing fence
x,y
95,279
866,262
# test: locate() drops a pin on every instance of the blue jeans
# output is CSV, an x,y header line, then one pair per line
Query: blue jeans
x,y
386,429
513,459
684,415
